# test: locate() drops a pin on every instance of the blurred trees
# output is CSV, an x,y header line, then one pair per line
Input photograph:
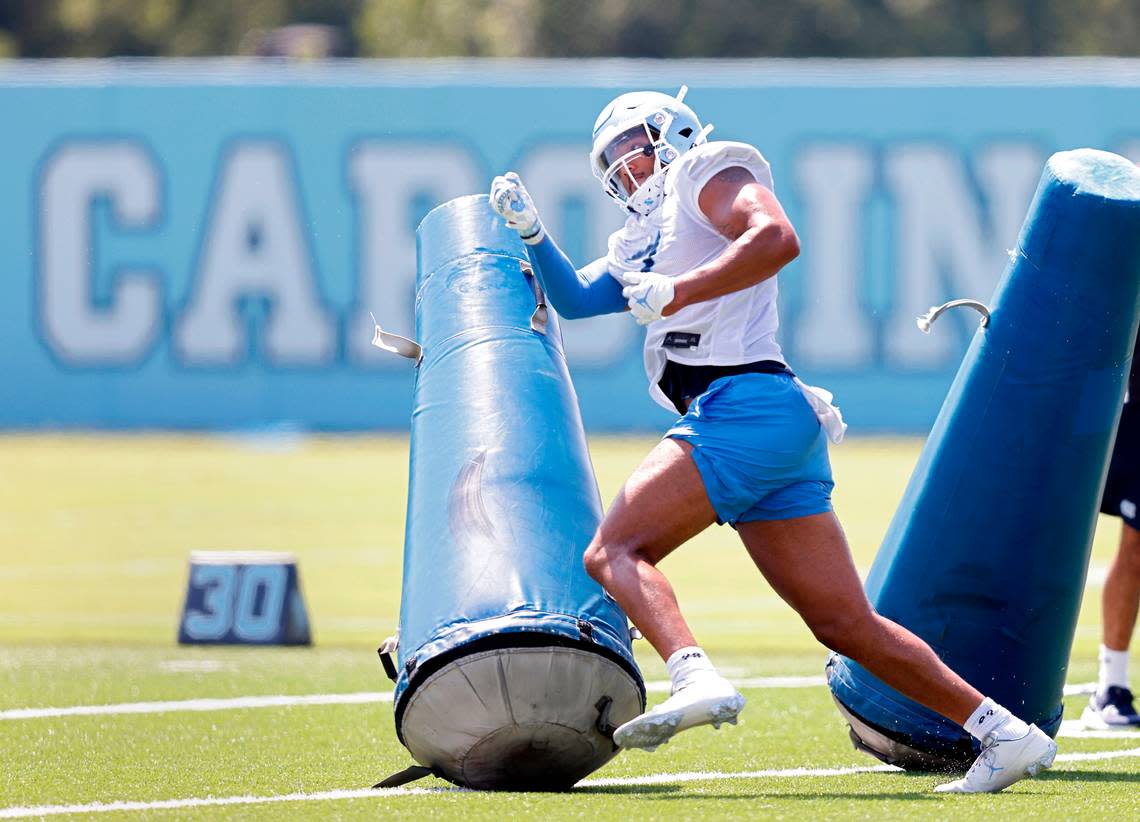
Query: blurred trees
x,y
563,28
450,28
162,28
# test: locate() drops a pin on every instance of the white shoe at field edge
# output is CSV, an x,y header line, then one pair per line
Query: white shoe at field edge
x,y
710,700
1005,761
1111,710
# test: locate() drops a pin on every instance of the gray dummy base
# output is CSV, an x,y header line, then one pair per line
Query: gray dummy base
x,y
520,718
886,748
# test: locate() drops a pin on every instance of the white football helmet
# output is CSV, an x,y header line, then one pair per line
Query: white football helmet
x,y
671,128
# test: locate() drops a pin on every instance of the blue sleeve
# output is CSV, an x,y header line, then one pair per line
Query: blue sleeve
x,y
574,294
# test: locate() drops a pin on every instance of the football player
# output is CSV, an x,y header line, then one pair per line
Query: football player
x,y
1111,706
696,263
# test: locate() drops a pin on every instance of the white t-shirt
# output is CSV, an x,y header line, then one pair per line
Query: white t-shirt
x,y
677,237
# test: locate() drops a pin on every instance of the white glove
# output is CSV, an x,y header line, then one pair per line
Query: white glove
x,y
648,295
512,201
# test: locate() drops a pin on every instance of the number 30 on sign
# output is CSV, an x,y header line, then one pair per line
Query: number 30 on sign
x,y
243,598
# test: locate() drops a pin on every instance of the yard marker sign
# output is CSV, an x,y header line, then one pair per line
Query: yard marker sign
x,y
243,598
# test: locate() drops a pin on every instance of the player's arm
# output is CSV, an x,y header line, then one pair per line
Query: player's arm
x,y
763,240
574,294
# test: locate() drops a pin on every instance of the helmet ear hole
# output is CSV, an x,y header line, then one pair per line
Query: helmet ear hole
x,y
686,132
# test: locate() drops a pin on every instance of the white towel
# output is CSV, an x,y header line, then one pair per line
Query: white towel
x,y
828,415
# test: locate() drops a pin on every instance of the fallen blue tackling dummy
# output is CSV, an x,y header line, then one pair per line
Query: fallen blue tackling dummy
x,y
986,556
513,666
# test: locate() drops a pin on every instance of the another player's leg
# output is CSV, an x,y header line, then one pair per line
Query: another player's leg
x,y
661,506
1112,704
807,561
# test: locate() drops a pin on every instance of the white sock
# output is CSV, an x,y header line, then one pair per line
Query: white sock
x,y
687,664
989,716
1113,669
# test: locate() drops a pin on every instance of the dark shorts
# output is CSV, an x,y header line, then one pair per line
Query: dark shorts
x,y
1122,489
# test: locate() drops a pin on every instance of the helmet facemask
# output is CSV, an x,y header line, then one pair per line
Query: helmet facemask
x,y
662,127
619,173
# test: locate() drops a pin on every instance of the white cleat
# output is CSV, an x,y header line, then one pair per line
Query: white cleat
x,y
708,701
1005,761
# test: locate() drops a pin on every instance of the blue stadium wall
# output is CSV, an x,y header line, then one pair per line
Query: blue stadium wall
x,y
199,245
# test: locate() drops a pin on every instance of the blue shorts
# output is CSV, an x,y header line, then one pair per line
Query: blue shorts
x,y
761,452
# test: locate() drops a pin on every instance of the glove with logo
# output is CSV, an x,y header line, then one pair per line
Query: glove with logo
x,y
512,202
648,295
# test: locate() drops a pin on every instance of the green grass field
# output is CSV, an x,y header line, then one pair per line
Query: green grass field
x,y
94,538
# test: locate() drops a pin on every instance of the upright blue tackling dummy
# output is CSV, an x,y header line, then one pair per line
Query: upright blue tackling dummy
x,y
987,554
513,665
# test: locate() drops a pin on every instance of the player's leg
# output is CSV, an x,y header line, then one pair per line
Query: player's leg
x,y
807,561
1121,596
1112,704
743,436
663,504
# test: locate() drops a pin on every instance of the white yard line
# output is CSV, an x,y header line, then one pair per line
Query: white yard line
x,y
714,776
368,793
664,686
245,702
364,697
195,666
234,703
1097,755
108,807
1074,729
1078,688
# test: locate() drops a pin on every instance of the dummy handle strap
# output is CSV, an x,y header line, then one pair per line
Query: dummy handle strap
x,y
409,774
926,320
396,344
387,648
603,723
538,320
